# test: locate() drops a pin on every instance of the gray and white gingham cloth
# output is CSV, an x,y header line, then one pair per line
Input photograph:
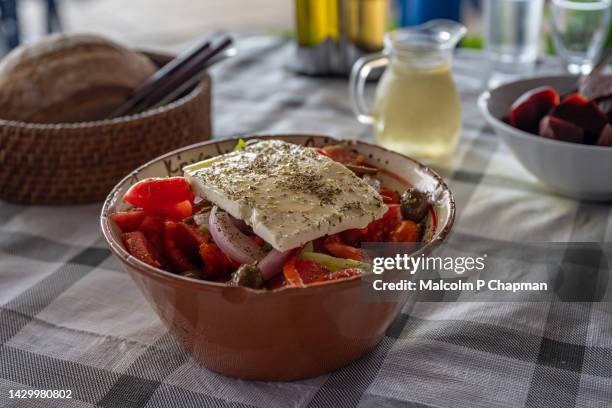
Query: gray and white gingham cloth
x,y
71,318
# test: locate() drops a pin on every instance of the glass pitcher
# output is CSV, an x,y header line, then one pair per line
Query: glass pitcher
x,y
417,110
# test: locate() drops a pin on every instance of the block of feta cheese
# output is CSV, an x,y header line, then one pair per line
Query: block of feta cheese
x,y
289,194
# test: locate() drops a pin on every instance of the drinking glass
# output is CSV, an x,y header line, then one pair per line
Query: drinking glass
x,y
512,33
580,29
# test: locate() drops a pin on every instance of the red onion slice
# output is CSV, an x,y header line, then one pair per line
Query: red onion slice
x,y
272,264
240,224
230,240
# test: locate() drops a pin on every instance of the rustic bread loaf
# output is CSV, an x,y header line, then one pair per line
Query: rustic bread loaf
x,y
69,78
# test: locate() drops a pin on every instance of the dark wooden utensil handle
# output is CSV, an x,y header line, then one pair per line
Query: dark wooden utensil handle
x,y
163,78
181,75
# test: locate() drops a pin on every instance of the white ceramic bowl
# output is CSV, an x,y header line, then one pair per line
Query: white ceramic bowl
x,y
570,169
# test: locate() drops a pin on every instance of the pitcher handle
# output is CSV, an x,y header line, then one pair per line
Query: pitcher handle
x,y
359,73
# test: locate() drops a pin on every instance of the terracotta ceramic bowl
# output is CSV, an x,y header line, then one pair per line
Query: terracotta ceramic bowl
x,y
284,334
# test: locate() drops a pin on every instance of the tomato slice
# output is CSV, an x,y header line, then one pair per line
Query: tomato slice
x,y
341,274
178,259
335,246
406,231
128,221
390,220
153,228
344,251
379,230
310,271
139,247
157,194
291,274
300,272
189,238
152,224
179,211
157,240
216,263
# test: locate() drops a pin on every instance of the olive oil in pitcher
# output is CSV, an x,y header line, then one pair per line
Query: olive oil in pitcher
x,y
417,109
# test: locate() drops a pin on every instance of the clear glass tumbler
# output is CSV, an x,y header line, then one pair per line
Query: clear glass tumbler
x,y
580,29
512,36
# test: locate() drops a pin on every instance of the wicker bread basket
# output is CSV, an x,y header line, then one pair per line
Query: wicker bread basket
x,y
80,162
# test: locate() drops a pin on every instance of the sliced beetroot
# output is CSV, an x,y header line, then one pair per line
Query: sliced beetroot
x,y
558,129
605,139
582,112
531,107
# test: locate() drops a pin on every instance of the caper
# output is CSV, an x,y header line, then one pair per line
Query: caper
x,y
414,205
248,275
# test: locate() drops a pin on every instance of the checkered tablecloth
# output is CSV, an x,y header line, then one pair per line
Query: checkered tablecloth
x,y
71,318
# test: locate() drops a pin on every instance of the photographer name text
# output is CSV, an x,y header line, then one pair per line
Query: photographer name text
x,y
457,265
441,285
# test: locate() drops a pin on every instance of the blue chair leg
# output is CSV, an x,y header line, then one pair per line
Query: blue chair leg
x,y
53,18
10,22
